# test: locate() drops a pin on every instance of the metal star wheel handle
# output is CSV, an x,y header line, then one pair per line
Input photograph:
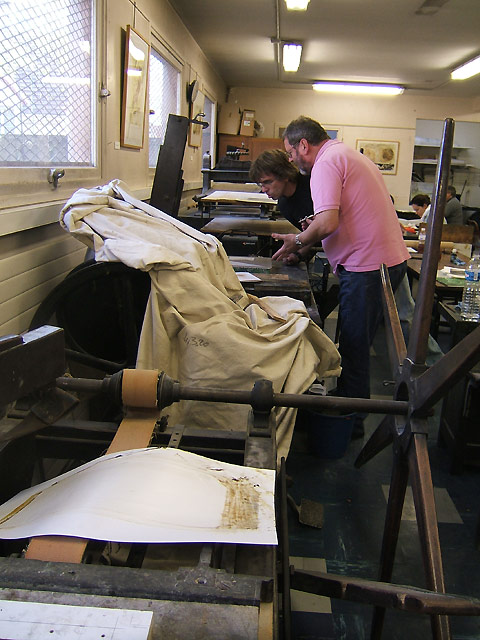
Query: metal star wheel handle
x,y
421,387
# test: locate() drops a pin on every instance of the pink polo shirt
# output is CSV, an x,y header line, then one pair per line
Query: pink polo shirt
x,y
368,232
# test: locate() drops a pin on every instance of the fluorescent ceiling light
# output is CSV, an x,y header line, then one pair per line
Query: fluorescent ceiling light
x,y
297,5
467,70
345,87
135,52
291,56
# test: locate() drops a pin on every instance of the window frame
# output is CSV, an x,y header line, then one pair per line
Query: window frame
x,y
157,45
35,186
212,130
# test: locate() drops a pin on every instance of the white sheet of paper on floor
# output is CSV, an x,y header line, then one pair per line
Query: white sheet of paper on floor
x,y
149,495
22,620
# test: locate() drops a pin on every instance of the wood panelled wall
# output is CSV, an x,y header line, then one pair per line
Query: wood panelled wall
x,y
32,263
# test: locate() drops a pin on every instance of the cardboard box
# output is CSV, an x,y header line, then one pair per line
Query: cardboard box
x,y
229,119
248,120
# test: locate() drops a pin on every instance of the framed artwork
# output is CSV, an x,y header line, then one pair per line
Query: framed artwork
x,y
195,130
135,79
383,153
335,133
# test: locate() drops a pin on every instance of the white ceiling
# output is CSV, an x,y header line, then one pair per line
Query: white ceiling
x,y
415,43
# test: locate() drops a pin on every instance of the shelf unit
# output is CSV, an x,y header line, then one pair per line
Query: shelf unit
x,y
425,156
253,145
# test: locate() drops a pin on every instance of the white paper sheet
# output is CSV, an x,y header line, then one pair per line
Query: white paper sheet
x,y
451,272
244,276
149,495
239,196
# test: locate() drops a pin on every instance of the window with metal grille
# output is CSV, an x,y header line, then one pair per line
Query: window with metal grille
x,y
163,99
46,80
208,136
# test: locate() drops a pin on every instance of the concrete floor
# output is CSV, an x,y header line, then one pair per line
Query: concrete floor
x,y
354,502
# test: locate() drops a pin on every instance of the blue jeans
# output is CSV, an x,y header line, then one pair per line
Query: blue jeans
x,y
360,309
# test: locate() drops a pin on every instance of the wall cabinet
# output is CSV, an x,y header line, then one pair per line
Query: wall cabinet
x,y
253,146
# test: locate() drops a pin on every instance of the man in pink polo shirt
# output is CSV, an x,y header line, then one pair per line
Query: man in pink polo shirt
x,y
356,222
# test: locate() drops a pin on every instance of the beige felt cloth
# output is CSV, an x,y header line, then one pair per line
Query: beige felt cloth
x,y
200,326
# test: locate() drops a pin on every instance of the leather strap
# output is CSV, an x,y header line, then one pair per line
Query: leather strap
x,y
134,432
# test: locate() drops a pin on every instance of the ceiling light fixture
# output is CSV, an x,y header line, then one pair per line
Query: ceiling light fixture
x,y
467,70
297,5
291,56
346,87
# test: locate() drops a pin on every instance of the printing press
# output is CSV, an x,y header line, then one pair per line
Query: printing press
x,y
214,577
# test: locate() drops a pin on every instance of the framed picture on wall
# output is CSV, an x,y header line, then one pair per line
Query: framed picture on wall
x,y
134,99
334,132
382,152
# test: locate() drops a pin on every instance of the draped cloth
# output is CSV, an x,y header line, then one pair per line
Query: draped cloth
x,y
200,326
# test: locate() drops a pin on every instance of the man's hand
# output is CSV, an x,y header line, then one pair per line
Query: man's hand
x,y
292,259
288,248
316,230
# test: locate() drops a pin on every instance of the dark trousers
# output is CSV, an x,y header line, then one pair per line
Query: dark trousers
x,y
360,309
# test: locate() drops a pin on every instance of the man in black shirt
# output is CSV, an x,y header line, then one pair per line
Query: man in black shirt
x,y
282,181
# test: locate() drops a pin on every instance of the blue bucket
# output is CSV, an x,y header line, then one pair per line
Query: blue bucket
x,y
328,435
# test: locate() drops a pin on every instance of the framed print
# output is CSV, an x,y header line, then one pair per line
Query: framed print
x,y
334,132
383,153
135,79
195,130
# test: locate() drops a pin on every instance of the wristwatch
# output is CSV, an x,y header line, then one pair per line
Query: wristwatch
x,y
298,242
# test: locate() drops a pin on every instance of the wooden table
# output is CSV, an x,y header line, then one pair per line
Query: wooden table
x,y
445,289
238,231
459,418
222,225
277,279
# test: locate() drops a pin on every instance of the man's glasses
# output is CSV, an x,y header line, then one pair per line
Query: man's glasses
x,y
265,183
294,146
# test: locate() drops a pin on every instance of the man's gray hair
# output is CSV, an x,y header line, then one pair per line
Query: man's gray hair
x,y
304,127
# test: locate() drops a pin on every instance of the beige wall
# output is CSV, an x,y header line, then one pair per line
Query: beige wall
x,y
157,17
35,254
392,118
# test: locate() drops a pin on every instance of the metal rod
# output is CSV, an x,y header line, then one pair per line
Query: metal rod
x,y
239,396
424,500
286,600
417,344
395,341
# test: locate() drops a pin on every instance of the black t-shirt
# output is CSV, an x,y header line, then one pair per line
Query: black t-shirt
x,y
299,205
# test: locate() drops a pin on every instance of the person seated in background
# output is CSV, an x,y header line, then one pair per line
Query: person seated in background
x,y
282,181
453,207
421,205
405,304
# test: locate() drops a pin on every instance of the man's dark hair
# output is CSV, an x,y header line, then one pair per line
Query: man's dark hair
x,y
421,199
273,162
451,190
304,127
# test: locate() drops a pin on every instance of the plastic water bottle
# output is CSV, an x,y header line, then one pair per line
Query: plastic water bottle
x,y
471,291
